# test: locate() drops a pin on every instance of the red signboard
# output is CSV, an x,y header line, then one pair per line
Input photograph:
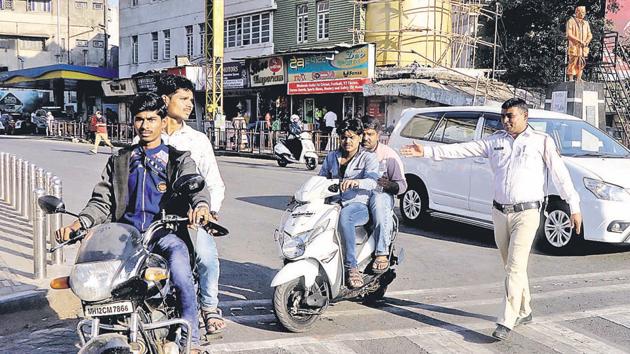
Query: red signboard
x,y
327,86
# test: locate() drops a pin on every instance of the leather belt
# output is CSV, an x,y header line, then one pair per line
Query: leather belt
x,y
515,208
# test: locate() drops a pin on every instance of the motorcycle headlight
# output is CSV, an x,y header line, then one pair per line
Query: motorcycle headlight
x,y
606,191
93,281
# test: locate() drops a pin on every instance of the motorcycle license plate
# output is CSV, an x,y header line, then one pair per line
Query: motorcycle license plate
x,y
115,308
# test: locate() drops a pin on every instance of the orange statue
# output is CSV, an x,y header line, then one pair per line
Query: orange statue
x,y
579,36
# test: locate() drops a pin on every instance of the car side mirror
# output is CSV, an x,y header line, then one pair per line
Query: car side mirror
x,y
189,184
51,204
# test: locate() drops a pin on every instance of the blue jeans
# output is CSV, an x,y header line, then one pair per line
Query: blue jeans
x,y
208,270
351,216
381,206
175,251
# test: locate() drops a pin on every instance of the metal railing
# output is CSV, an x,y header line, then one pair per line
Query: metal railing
x,y
21,184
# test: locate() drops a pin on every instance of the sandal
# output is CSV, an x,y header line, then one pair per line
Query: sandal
x,y
380,264
213,321
355,279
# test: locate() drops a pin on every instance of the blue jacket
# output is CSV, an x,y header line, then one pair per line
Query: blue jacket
x,y
363,167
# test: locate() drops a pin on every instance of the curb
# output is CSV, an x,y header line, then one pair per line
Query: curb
x,y
22,301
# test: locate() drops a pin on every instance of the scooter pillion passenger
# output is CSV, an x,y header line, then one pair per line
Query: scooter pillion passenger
x,y
325,240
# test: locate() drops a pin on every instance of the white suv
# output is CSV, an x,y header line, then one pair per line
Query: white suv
x,y
461,189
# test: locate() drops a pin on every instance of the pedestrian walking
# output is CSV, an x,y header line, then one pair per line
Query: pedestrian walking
x,y
101,133
518,157
330,121
49,122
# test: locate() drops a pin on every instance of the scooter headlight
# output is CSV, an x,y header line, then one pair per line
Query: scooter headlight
x,y
294,246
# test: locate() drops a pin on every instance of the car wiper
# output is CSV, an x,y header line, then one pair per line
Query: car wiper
x,y
588,154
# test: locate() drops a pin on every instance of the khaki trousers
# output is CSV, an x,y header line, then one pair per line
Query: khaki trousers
x,y
514,235
97,140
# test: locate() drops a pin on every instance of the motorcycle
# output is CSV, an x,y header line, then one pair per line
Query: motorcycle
x,y
124,289
298,148
313,274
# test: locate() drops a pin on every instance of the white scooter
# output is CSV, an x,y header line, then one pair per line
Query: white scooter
x,y
313,275
298,149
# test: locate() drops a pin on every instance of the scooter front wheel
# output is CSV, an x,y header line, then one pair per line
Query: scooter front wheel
x,y
311,163
288,301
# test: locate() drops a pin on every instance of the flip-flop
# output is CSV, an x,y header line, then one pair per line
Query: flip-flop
x,y
210,321
355,279
377,264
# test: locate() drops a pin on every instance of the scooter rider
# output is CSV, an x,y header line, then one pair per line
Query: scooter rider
x,y
357,169
141,176
391,182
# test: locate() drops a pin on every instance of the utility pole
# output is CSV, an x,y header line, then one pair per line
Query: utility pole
x,y
105,8
68,36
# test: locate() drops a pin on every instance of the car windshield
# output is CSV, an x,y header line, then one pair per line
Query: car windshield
x,y
576,138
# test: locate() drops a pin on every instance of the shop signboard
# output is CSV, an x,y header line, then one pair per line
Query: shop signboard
x,y
124,87
146,84
267,72
234,75
345,71
10,103
327,86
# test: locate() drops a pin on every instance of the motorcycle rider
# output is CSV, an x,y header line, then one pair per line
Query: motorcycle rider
x,y
391,182
357,170
141,176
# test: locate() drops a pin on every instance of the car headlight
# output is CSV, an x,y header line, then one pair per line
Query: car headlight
x,y
606,191
93,281
294,246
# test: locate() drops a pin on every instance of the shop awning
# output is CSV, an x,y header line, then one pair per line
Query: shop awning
x,y
42,77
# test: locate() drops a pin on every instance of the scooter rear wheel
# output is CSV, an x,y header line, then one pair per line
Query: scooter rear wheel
x,y
282,162
287,298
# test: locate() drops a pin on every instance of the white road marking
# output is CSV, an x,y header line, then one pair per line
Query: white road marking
x,y
428,330
554,333
622,319
450,342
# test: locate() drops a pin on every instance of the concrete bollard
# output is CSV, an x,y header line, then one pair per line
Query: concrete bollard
x,y
25,195
39,237
13,180
56,221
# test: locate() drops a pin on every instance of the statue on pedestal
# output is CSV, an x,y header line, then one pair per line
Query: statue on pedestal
x,y
578,36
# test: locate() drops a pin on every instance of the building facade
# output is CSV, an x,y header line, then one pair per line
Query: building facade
x,y
153,33
37,33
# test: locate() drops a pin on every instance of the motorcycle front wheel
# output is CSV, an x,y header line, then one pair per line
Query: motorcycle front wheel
x,y
290,309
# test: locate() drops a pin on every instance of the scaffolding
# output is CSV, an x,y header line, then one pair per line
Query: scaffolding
x,y
463,40
213,58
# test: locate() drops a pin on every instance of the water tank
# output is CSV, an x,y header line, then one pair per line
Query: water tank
x,y
397,27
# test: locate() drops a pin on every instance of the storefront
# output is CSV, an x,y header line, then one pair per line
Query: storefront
x,y
332,80
267,79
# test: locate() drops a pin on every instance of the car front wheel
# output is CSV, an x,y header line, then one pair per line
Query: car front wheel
x,y
414,204
555,232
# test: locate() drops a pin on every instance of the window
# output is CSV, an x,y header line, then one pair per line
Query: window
x,y
31,44
247,30
81,43
202,38
98,44
189,41
38,5
456,129
134,49
323,20
97,5
134,2
85,57
6,4
155,54
491,124
302,23
420,126
167,45
80,4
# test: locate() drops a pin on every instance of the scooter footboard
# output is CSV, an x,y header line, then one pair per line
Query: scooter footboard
x,y
307,268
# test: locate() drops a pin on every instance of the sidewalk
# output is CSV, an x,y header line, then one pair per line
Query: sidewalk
x,y
19,290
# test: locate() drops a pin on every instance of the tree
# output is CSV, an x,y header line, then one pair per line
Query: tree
x,y
532,36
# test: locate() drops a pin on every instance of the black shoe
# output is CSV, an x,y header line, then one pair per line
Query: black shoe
x,y
501,333
524,320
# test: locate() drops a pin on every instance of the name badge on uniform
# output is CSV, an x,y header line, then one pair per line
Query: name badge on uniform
x,y
496,148
161,187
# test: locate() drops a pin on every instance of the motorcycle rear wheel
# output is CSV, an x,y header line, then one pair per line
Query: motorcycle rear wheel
x,y
288,297
282,162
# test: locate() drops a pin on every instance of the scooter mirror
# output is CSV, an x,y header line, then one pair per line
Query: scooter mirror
x,y
188,184
51,204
